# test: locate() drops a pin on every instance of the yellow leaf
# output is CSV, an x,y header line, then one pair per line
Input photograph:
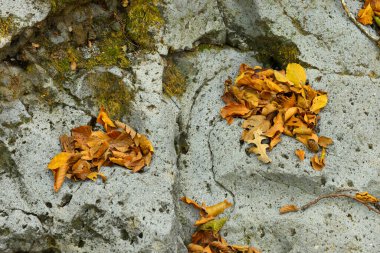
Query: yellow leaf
x,y
60,160
214,225
280,77
366,197
288,209
296,74
217,209
318,103
93,176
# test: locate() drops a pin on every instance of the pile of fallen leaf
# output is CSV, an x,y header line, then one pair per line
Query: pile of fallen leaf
x,y
274,103
86,151
207,238
370,12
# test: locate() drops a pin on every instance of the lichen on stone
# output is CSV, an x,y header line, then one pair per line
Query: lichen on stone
x,y
6,25
174,82
143,17
276,51
112,52
111,92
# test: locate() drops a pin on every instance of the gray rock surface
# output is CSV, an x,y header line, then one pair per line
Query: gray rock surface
x,y
196,153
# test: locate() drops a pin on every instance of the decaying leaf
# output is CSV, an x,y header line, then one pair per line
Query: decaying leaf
x,y
86,151
288,209
366,197
207,238
273,103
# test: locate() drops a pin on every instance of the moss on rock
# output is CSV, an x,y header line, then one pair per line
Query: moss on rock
x,y
174,82
6,26
143,17
111,92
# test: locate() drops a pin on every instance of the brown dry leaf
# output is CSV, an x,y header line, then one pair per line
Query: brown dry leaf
x,y
275,103
324,141
207,238
366,197
231,110
86,151
259,148
288,208
300,154
375,4
365,15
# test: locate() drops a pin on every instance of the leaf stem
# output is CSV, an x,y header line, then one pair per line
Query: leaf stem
x,y
337,195
360,26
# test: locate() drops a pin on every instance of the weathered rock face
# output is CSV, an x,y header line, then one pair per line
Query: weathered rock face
x,y
196,153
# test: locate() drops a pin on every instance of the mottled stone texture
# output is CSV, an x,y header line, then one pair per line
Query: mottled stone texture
x,y
196,153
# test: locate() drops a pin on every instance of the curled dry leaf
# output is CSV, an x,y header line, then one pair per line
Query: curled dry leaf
x,y
86,151
366,197
207,238
217,209
318,163
300,154
274,103
288,209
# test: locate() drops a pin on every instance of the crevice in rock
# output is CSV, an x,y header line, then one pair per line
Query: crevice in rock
x,y
220,184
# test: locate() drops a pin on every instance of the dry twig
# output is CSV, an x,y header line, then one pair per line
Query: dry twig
x,y
360,26
337,195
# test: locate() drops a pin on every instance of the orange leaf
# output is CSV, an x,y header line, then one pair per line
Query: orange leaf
x,y
195,248
191,202
104,120
288,208
301,154
365,15
203,220
324,141
234,110
59,177
217,209
60,160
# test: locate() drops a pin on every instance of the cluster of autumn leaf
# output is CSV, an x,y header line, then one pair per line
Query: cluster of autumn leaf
x,y
274,103
86,151
370,12
207,238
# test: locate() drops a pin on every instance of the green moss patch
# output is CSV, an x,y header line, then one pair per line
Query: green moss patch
x,y
111,92
143,17
6,26
174,82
